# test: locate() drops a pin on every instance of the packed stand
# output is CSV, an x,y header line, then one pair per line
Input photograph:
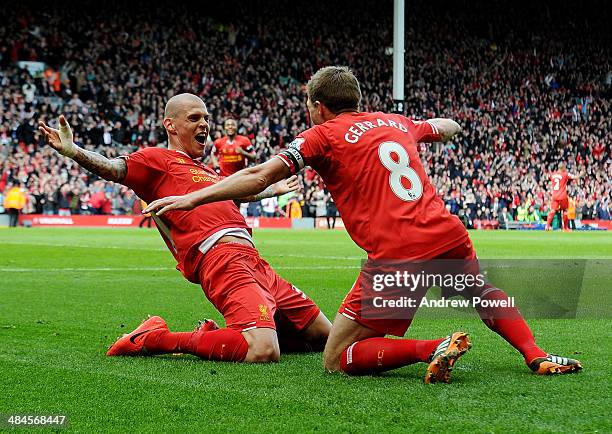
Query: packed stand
x,y
530,86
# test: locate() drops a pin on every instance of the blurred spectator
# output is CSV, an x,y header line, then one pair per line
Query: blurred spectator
x,y
294,209
269,206
332,211
571,213
603,209
14,201
504,218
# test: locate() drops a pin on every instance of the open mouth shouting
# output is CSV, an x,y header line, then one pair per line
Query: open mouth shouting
x,y
201,138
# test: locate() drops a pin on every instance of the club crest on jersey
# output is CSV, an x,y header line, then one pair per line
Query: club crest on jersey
x,y
263,313
297,143
181,160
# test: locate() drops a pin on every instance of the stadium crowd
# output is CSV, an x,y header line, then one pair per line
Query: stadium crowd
x,y
530,85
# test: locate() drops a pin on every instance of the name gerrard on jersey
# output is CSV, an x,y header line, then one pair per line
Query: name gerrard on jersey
x,y
356,130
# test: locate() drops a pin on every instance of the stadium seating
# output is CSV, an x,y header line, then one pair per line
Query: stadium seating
x,y
526,96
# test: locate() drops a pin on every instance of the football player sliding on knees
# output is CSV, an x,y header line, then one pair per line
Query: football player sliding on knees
x,y
213,247
370,164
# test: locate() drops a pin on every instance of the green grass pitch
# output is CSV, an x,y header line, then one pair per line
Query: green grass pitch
x,y
66,294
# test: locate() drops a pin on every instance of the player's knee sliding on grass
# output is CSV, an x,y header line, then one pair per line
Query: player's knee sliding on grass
x,y
358,350
357,345
209,342
260,308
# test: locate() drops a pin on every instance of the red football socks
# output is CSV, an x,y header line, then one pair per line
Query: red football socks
x,y
564,218
374,355
223,344
550,217
510,325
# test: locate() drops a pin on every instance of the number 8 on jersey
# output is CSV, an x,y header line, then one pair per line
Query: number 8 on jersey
x,y
400,169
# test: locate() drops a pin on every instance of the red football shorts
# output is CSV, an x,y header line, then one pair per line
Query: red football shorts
x,y
247,291
351,307
560,204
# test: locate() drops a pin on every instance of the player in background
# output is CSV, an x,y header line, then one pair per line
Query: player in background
x,y
571,214
370,164
559,180
232,152
212,245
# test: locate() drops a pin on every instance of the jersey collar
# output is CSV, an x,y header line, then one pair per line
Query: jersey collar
x,y
195,160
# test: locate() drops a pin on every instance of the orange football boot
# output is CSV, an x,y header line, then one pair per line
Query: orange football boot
x,y
444,357
553,364
132,344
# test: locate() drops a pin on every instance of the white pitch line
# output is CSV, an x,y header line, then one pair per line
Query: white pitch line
x,y
62,270
316,257
86,246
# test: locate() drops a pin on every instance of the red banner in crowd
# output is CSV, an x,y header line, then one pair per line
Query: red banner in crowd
x,y
599,224
80,220
254,222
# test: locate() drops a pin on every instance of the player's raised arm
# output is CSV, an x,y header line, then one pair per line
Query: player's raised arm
x,y
62,141
442,129
247,182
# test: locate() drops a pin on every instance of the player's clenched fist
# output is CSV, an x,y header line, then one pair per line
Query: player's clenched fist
x,y
61,140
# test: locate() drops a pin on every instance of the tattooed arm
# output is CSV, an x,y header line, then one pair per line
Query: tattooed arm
x,y
111,170
62,141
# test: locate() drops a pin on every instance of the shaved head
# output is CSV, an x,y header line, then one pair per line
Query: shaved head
x,y
181,102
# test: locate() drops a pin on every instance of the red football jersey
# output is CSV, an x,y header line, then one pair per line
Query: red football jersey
x,y
559,185
370,164
154,173
230,161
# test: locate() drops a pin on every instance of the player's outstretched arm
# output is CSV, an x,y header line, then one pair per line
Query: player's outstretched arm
x,y
247,182
62,141
447,128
